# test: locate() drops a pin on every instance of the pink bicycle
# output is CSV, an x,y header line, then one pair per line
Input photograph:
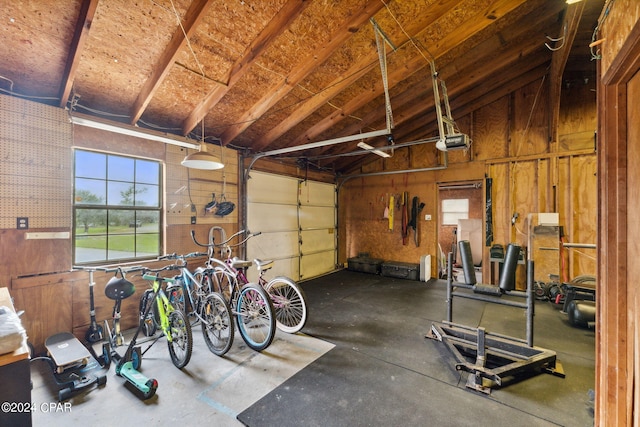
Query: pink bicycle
x,y
287,297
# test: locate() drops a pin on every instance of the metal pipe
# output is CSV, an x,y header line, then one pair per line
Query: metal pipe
x,y
449,285
486,298
530,302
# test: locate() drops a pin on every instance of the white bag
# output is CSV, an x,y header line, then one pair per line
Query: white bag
x,y
12,334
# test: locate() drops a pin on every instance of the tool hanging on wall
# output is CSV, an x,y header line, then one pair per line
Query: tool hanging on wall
x,y
405,219
224,207
413,222
390,213
211,206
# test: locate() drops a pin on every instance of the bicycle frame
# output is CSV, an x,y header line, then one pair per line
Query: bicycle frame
x,y
162,303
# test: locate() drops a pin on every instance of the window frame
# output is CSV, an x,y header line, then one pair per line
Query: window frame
x,y
123,220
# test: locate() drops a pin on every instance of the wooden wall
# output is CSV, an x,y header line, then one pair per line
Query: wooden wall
x,y
511,144
618,306
36,177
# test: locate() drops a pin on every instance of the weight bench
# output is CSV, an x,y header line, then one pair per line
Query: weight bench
x,y
490,357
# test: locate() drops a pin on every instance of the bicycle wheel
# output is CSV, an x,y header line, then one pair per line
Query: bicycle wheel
x,y
255,317
181,341
217,327
289,303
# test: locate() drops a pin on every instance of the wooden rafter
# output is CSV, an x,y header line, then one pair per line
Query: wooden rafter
x,y
559,61
465,73
192,18
357,70
83,25
276,93
473,25
289,12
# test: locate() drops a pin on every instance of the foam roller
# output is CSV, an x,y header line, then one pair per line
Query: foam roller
x,y
464,247
508,277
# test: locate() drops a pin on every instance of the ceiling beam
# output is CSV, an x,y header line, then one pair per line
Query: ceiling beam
x,y
83,25
357,70
473,24
279,24
504,48
559,61
309,64
425,127
192,18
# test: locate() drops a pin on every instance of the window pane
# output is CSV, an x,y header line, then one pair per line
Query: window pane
x,y
452,218
147,195
91,248
121,247
120,169
120,193
91,165
148,245
90,192
455,205
121,221
91,221
453,210
147,172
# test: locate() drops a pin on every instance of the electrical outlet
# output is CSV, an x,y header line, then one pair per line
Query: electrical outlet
x,y
22,223
427,217
193,220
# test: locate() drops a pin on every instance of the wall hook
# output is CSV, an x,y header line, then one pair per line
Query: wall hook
x,y
559,39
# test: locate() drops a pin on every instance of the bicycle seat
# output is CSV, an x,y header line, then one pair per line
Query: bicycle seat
x,y
240,263
263,265
119,288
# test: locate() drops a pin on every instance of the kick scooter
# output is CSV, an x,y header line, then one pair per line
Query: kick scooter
x,y
128,365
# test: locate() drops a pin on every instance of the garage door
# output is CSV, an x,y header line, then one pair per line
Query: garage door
x,y
297,220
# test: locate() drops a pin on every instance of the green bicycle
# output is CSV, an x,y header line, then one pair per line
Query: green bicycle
x,y
157,312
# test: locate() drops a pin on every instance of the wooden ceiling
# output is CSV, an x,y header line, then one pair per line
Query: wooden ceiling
x,y
266,75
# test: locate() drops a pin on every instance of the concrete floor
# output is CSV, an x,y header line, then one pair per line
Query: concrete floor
x,y
362,360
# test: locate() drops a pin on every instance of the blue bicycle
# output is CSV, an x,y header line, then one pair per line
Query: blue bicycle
x,y
195,298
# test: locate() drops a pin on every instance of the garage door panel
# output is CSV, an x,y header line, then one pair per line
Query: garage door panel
x,y
317,217
317,240
288,267
274,245
272,189
316,264
317,193
272,217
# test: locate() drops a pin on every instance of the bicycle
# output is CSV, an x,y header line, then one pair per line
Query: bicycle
x,y
196,299
170,320
250,305
287,297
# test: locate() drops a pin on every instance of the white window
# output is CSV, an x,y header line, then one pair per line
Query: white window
x,y
117,208
453,210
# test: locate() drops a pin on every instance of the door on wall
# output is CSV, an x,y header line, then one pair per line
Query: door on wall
x,y
460,218
297,221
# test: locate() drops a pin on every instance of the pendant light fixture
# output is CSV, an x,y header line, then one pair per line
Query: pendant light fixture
x,y
202,159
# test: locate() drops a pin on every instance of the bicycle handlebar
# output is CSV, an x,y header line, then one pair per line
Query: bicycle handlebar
x,y
122,270
181,257
226,242
156,272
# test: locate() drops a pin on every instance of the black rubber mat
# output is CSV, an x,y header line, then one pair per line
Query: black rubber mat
x,y
347,388
383,371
